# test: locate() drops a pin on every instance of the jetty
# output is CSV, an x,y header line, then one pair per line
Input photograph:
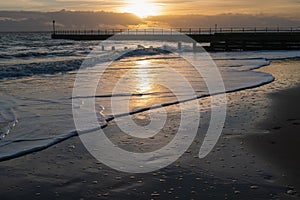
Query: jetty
x,y
215,39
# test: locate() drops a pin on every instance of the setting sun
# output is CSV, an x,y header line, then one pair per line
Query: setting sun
x,y
141,8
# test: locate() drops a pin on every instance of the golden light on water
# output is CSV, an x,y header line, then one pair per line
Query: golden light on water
x,y
141,8
144,83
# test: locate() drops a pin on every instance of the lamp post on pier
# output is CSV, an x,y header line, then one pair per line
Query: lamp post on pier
x,y
53,27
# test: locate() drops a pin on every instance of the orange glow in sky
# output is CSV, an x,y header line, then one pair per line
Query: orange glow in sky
x,y
144,8
141,8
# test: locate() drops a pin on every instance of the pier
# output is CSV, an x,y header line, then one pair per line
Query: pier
x,y
218,39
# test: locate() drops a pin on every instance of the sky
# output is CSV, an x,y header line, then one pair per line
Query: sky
x,y
166,7
37,15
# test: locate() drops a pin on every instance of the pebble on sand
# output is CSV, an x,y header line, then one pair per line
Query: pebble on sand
x,y
155,194
106,194
237,192
291,192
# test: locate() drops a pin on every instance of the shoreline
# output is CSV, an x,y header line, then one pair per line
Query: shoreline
x,y
73,133
276,137
236,169
280,146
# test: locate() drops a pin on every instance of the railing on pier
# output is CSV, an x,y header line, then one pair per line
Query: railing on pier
x,y
219,39
177,31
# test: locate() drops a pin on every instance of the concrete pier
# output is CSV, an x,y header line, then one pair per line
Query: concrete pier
x,y
219,39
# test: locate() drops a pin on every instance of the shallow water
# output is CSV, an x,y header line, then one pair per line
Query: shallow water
x,y
37,78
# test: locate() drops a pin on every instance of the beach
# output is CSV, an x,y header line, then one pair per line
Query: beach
x,y
255,157
280,145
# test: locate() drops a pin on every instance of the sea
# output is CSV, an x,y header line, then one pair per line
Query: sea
x,y
38,76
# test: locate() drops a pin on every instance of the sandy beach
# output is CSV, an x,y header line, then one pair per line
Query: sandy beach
x,y
279,145
255,158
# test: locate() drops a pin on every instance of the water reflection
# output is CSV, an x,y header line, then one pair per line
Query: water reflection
x,y
144,83
144,80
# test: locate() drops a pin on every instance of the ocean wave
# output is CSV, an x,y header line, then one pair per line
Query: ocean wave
x,y
40,68
35,145
39,144
22,70
36,54
141,51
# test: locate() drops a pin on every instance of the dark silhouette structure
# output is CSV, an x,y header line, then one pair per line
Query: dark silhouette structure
x,y
220,39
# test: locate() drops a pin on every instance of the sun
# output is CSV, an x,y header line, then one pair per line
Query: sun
x,y
141,8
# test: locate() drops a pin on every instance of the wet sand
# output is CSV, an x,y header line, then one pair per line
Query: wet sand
x,y
249,161
280,145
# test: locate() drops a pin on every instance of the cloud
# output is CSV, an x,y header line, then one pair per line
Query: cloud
x,y
182,7
41,21
51,5
226,20
213,7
